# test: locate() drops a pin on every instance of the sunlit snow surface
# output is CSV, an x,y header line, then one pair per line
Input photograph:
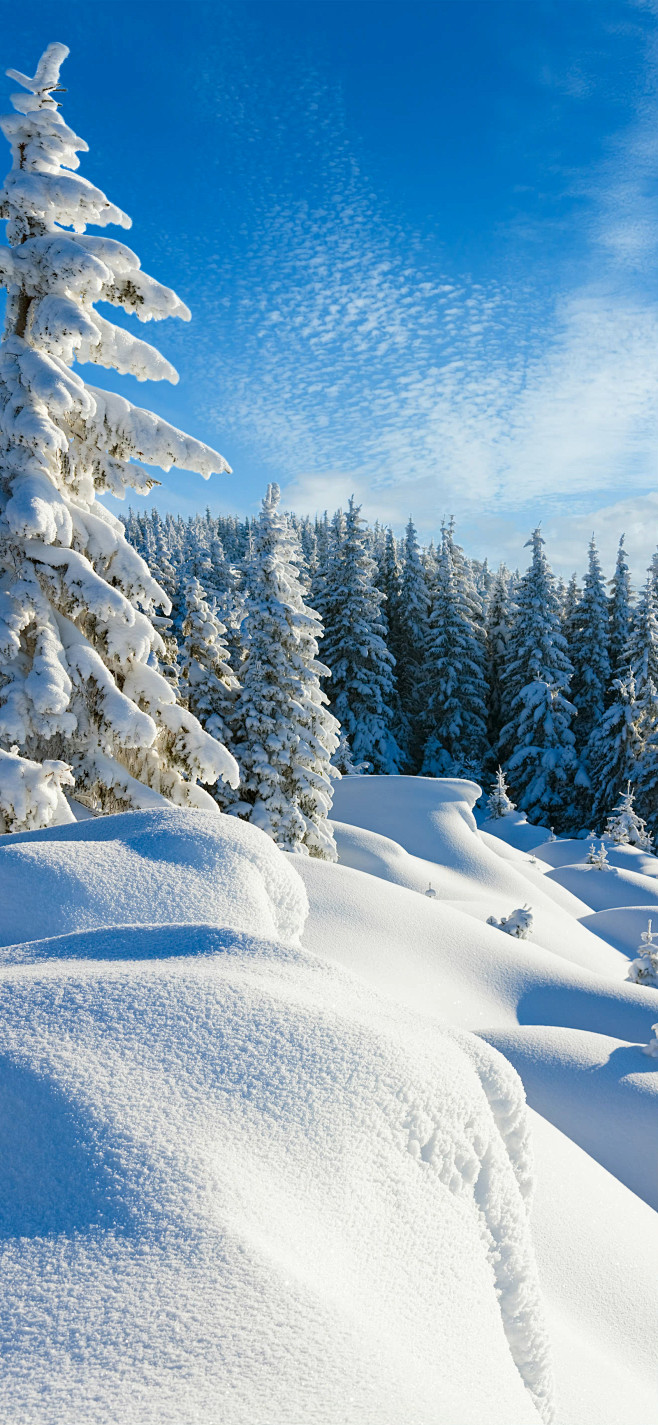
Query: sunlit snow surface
x,y
259,1169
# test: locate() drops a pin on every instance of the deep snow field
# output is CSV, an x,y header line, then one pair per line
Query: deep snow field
x,y
265,1153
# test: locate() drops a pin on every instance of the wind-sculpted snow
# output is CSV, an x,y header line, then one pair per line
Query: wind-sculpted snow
x,y
247,1182
462,865
596,1089
145,868
622,926
602,890
238,1185
574,1031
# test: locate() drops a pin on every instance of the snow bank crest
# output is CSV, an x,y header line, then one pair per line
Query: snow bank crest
x,y
170,866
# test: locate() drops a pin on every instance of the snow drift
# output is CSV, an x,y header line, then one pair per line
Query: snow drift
x,y
143,868
239,1184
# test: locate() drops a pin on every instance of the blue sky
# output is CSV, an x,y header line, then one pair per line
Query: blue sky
x,y
419,242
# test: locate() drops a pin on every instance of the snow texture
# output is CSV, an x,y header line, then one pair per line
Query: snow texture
x,y
238,1183
250,1182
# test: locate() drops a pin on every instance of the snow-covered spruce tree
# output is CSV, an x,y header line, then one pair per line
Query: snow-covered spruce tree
x,y
615,749
500,613
454,677
409,651
363,692
499,802
588,651
208,685
285,735
641,651
624,826
78,652
619,607
519,923
537,743
644,970
389,578
646,770
568,597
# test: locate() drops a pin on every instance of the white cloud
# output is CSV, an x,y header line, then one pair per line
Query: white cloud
x,y
354,363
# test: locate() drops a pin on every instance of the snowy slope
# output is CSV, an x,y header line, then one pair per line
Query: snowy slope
x,y
602,890
575,1037
255,1181
238,1185
597,1251
598,1090
623,926
461,865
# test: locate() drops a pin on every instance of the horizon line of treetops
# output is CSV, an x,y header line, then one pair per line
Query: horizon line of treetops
x,y
434,664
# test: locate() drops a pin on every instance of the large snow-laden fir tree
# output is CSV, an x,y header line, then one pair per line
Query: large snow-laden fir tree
x,y
538,743
285,735
363,691
641,651
79,677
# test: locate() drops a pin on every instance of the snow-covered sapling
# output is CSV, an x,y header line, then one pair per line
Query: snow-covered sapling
x,y
499,803
79,653
598,859
625,827
651,1049
644,970
430,892
519,923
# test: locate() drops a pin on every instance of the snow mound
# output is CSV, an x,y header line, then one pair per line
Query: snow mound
x,y
516,831
144,867
601,890
575,1036
432,817
468,862
573,852
597,1250
622,926
442,962
601,1092
282,1196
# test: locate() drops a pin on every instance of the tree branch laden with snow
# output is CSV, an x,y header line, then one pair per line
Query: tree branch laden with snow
x,y
79,653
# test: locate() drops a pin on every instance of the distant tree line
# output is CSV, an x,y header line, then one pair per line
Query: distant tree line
x,y
439,666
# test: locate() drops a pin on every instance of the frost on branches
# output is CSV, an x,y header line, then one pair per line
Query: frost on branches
x,y
285,735
498,802
79,677
625,827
